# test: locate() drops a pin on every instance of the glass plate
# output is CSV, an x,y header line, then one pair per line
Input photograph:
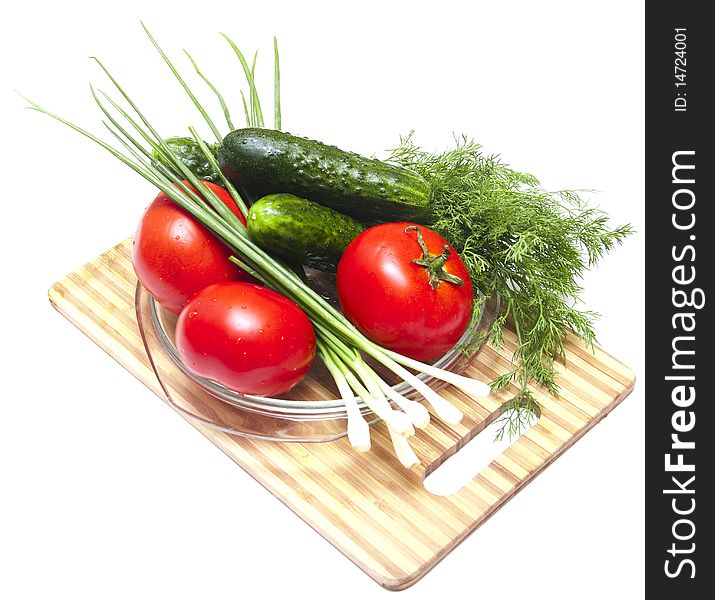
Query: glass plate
x,y
311,411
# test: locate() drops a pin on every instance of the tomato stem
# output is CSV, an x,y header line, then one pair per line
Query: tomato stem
x,y
434,263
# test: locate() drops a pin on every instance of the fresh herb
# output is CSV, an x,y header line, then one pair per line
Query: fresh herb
x,y
528,245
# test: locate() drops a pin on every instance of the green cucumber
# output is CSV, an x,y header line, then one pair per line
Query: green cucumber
x,y
301,231
189,153
274,161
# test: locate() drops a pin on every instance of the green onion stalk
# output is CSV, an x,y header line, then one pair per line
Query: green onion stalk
x,y
339,344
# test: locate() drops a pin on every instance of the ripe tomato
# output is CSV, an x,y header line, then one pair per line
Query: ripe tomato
x,y
175,256
411,308
246,337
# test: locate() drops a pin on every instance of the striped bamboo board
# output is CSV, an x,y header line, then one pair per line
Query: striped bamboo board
x,y
364,504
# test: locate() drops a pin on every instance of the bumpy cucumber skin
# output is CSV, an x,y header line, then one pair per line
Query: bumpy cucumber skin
x,y
189,153
301,231
368,189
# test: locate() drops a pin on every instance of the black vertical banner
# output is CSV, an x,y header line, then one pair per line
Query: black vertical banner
x,y
680,359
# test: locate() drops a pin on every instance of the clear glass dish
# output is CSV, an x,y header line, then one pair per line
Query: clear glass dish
x,y
311,411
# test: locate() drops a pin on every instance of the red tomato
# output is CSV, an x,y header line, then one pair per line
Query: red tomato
x,y
175,256
391,299
246,337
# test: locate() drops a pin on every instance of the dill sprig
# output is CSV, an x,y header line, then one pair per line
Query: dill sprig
x,y
530,246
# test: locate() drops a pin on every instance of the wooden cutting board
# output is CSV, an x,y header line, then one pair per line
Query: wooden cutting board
x,y
365,504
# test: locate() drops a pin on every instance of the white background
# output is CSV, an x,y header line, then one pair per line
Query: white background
x,y
108,494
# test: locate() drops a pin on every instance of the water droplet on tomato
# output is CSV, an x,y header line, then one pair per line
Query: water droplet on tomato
x,y
192,314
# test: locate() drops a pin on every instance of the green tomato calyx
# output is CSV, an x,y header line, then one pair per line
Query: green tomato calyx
x,y
434,263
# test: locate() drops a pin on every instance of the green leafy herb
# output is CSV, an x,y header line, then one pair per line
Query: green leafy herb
x,y
528,245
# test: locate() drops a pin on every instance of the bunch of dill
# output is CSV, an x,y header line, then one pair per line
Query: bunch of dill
x,y
528,245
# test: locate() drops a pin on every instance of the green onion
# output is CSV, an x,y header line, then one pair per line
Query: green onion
x,y
184,85
222,102
254,114
276,86
358,428
404,452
